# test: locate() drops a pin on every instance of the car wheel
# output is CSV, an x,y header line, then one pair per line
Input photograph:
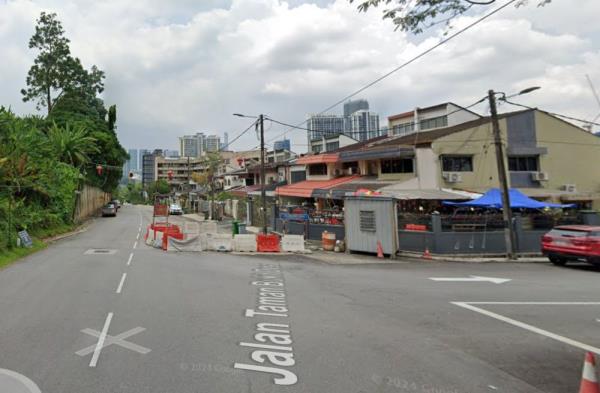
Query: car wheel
x,y
557,261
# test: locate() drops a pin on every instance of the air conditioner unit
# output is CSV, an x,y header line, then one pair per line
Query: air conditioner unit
x,y
540,176
452,177
570,188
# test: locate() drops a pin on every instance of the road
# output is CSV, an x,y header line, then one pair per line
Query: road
x,y
133,319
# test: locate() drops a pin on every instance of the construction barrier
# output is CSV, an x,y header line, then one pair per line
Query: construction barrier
x,y
171,230
292,243
219,242
208,227
192,244
267,243
244,243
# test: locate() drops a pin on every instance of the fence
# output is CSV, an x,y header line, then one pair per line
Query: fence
x,y
89,201
482,235
309,230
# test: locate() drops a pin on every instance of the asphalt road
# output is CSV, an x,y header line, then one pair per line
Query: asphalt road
x,y
160,322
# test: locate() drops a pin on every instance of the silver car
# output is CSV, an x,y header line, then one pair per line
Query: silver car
x,y
109,210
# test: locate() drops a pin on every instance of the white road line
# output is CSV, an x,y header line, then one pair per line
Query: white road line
x,y
135,245
130,258
100,344
531,328
138,236
120,287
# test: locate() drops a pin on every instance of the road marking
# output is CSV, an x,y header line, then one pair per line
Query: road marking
x,y
135,245
130,258
121,283
8,378
117,340
531,328
101,339
494,280
138,236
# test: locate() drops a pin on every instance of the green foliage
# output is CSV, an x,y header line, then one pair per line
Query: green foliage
x,y
132,193
159,187
54,71
223,196
71,144
416,16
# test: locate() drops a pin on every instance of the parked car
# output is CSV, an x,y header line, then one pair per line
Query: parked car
x,y
572,242
175,209
117,203
109,210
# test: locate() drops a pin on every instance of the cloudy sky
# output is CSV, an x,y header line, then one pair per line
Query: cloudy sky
x,y
183,66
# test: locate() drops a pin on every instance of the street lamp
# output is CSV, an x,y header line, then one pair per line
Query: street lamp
x,y
261,121
509,230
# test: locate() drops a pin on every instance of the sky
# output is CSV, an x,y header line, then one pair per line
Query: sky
x,y
185,66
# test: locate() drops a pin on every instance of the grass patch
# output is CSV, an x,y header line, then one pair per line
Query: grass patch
x,y
9,256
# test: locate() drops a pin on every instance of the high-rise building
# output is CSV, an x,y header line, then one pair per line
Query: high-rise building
x,y
324,125
363,125
133,164
192,145
212,143
356,105
283,144
225,144
149,166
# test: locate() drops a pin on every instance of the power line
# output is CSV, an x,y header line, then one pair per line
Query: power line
x,y
408,62
240,134
552,113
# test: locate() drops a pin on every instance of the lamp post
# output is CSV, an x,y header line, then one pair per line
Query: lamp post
x,y
509,230
263,207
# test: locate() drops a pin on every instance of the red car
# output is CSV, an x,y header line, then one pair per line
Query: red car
x,y
572,242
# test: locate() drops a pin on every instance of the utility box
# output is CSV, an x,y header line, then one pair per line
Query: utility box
x,y
369,219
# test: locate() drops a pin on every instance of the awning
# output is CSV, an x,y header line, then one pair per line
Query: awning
x,y
304,189
424,194
318,159
518,200
377,153
340,191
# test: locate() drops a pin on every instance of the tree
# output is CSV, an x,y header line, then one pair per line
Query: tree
x,y
72,144
55,72
417,15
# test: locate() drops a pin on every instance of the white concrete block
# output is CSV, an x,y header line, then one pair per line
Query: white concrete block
x,y
208,227
219,242
244,243
292,243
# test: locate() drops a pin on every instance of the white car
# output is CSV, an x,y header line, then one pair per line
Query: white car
x,y
175,209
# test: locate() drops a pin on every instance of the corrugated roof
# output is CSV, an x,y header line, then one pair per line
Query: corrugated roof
x,y
304,189
318,159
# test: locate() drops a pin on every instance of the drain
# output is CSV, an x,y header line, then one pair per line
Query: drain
x,y
100,251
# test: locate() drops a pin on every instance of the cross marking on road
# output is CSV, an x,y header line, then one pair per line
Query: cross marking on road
x,y
117,340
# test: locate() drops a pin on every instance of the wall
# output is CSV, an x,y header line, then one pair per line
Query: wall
x,y
89,202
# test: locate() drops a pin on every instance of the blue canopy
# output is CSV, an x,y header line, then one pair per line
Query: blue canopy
x,y
518,200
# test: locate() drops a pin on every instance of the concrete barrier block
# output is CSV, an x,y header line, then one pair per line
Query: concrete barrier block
x,y
193,244
219,241
292,243
244,243
191,228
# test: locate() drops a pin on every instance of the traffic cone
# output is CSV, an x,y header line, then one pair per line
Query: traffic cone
x,y
379,250
589,382
426,254
165,242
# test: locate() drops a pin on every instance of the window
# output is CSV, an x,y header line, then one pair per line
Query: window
x,y
317,148
402,165
523,164
367,220
404,128
436,122
330,146
457,164
317,169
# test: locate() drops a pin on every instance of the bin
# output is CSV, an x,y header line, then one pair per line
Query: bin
x,y
235,227
328,241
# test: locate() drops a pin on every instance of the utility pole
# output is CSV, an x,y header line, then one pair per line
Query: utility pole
x,y
509,230
263,207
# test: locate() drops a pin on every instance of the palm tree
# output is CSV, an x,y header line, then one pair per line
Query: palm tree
x,y
72,144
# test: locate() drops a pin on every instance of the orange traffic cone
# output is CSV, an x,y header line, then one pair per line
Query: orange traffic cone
x,y
165,242
426,254
589,382
379,250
